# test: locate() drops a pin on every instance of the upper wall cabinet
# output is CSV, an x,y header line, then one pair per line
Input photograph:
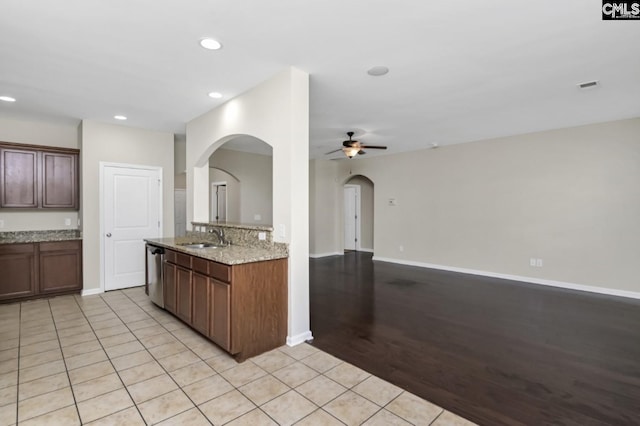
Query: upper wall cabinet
x,y
34,176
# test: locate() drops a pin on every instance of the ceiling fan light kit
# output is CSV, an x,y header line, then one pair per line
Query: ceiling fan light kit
x,y
352,148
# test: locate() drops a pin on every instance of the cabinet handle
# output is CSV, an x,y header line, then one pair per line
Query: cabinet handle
x,y
108,234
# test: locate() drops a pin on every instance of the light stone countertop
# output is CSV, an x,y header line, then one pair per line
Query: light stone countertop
x,y
229,255
16,237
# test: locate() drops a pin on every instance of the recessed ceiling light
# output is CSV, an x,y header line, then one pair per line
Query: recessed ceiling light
x,y
119,117
378,71
7,99
211,44
215,95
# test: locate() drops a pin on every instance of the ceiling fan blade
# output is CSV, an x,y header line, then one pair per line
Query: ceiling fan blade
x,y
335,150
361,152
373,147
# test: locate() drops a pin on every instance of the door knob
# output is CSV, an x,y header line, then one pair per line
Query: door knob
x,y
108,234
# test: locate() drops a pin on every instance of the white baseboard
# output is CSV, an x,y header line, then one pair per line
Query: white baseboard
x,y
299,338
532,280
318,255
92,291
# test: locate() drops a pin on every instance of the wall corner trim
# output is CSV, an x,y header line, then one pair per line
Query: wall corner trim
x,y
91,292
299,338
530,280
318,255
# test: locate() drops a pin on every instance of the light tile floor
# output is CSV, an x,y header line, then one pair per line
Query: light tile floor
x,y
117,359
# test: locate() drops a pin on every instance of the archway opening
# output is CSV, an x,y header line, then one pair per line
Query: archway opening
x,y
358,214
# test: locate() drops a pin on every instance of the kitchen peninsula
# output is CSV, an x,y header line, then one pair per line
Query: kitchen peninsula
x,y
235,295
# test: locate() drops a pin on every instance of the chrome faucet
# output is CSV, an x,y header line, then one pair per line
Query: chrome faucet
x,y
220,234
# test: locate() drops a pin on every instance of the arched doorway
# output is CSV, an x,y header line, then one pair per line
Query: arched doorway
x,y
358,216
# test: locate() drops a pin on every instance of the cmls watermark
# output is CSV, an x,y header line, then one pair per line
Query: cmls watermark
x,y
615,10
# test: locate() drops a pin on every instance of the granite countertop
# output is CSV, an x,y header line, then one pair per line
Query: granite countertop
x,y
235,225
229,255
14,237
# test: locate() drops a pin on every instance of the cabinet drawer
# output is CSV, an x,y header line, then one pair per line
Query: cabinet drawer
x,y
200,265
183,260
220,271
60,245
170,256
17,248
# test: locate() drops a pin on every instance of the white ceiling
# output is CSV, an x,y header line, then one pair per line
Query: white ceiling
x,y
460,71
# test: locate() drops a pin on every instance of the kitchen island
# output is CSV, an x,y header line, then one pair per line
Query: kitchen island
x,y
234,295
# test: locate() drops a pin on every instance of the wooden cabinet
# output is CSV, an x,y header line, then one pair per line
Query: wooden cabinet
x,y
19,276
60,266
34,176
169,274
33,270
59,180
200,303
220,326
184,294
242,308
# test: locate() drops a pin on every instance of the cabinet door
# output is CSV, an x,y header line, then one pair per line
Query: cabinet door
x,y
183,284
219,328
60,266
18,178
200,303
18,263
169,273
59,181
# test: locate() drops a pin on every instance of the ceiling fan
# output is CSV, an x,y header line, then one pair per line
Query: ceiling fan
x,y
352,148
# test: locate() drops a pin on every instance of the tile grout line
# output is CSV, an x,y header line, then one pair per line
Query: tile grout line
x,y
110,362
169,374
64,360
19,348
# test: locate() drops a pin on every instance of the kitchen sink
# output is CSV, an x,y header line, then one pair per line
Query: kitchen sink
x,y
199,245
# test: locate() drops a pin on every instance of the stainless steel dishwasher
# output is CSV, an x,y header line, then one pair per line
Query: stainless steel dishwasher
x,y
155,282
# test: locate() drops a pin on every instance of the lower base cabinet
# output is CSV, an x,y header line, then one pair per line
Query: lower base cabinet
x,y
31,270
19,277
60,267
242,308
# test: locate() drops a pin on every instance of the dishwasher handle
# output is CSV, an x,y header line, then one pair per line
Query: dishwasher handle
x,y
157,250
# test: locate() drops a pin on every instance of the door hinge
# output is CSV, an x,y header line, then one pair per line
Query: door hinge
x,y
159,182
158,224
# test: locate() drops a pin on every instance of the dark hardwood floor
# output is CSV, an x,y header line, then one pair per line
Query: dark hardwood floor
x,y
493,351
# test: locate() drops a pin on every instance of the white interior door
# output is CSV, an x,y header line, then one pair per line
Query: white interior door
x,y
132,211
219,202
351,217
180,212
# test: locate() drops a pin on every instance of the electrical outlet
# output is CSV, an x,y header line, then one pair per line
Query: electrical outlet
x,y
539,263
262,236
401,248
532,261
1,223
67,222
257,217
282,230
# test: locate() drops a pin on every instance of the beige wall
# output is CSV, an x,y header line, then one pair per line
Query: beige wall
x,y
276,112
110,143
34,132
233,193
180,161
325,223
255,177
570,197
